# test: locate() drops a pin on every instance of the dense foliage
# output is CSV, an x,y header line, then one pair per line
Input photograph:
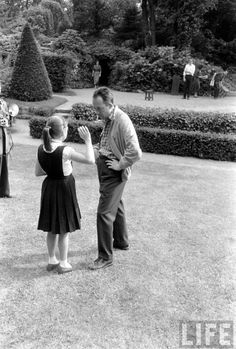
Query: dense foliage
x,y
30,81
209,145
59,68
167,119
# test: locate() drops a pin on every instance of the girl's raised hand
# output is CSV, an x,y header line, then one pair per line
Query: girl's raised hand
x,y
84,133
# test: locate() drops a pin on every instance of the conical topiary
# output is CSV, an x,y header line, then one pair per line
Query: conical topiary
x,y
30,81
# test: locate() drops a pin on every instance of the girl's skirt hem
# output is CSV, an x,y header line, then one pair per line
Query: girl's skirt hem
x,y
59,208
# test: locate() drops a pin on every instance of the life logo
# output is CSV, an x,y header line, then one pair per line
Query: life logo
x,y
206,334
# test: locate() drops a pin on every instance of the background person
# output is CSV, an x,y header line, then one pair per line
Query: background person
x,y
97,72
188,74
218,82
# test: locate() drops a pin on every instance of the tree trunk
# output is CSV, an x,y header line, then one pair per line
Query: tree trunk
x,y
152,21
145,22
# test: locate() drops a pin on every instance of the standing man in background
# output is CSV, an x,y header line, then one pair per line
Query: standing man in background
x,y
188,74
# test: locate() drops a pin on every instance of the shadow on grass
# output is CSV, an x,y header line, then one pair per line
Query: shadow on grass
x,y
28,267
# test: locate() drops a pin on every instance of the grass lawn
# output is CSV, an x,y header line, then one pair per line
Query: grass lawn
x,y
181,265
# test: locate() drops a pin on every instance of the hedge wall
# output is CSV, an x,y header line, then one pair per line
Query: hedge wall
x,y
59,69
161,141
168,119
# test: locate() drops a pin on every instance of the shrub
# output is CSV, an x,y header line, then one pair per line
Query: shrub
x,y
6,75
160,141
59,69
198,144
154,53
82,111
41,111
40,19
30,81
57,12
103,49
71,41
215,122
37,124
154,69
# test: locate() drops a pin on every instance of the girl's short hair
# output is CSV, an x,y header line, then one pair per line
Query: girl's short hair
x,y
53,129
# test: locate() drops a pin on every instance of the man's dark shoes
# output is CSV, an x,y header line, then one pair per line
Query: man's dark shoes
x,y
124,248
101,263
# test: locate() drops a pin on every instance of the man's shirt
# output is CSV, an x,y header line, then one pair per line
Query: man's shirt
x,y
105,147
189,69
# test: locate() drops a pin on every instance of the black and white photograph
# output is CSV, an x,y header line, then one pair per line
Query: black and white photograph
x,y
117,174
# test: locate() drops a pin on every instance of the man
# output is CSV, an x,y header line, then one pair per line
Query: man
x,y
117,151
218,81
188,74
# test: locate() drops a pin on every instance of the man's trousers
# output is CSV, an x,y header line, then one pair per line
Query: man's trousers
x,y
111,221
187,85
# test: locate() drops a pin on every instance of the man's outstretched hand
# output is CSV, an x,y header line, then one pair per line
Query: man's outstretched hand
x,y
113,164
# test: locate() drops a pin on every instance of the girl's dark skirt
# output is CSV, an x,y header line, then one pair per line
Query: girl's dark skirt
x,y
59,210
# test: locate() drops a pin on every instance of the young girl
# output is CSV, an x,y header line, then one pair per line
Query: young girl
x,y
59,211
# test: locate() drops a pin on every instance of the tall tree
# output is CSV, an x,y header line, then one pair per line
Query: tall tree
x,y
130,28
145,21
152,16
30,81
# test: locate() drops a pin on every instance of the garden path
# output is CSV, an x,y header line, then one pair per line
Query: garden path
x,y
162,100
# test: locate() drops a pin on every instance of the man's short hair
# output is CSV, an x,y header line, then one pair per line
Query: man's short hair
x,y
105,93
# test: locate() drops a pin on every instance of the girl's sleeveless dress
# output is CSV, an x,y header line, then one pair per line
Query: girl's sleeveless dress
x,y
59,209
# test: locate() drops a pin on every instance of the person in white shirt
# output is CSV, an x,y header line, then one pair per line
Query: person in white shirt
x,y
188,74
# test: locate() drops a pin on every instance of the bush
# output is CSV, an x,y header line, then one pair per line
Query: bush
x,y
103,49
215,122
160,141
154,69
197,144
37,124
40,19
59,69
41,111
71,41
30,81
82,111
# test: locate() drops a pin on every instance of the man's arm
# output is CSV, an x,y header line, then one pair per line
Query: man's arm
x,y
133,152
184,72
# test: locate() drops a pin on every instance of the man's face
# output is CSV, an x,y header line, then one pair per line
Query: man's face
x,y
190,61
103,109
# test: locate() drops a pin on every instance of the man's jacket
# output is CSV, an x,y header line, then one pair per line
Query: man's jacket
x,y
123,141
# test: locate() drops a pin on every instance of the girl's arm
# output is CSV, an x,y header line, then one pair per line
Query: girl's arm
x,y
88,157
38,169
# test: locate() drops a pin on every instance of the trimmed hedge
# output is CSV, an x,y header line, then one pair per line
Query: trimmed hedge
x,y
59,69
30,81
37,124
215,122
188,143
161,141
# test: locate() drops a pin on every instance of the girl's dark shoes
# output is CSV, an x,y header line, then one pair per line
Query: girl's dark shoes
x,y
63,270
51,267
